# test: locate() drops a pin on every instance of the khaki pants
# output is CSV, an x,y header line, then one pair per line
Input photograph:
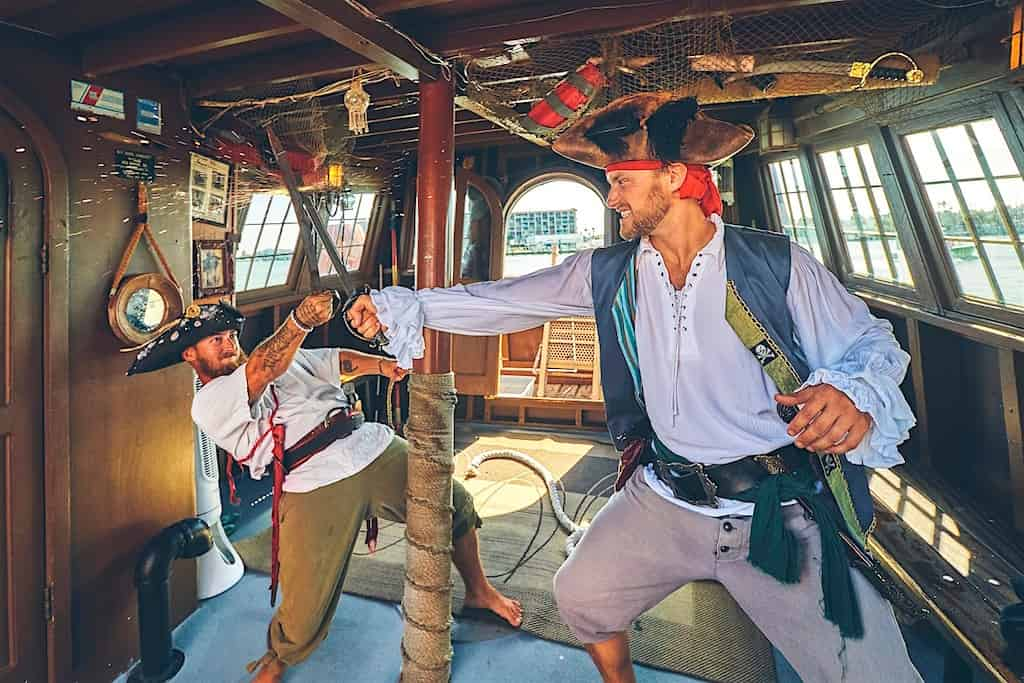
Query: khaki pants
x,y
318,532
640,548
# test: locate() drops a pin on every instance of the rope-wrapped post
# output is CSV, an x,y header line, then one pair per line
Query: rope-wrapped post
x,y
427,601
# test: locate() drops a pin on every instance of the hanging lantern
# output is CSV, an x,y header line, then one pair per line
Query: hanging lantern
x,y
335,175
357,101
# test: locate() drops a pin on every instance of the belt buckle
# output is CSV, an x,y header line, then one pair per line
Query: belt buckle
x,y
669,473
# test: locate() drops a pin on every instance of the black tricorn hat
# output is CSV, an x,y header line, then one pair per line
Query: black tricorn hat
x,y
198,323
655,126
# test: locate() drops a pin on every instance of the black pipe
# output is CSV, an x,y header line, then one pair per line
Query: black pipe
x,y
185,539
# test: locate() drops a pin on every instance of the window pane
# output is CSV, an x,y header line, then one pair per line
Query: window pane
x,y
946,209
900,261
888,226
844,211
784,217
982,206
257,208
869,164
960,152
775,170
856,251
969,271
279,271
864,212
789,175
926,157
852,168
347,226
280,208
833,174
1012,192
1008,270
993,146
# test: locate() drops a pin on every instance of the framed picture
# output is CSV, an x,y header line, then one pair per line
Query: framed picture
x,y
209,184
213,268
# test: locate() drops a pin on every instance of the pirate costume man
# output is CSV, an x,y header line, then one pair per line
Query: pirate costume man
x,y
711,484
331,469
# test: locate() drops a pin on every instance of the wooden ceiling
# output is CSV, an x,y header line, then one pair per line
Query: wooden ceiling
x,y
229,48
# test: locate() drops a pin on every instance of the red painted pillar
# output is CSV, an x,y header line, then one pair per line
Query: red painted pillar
x,y
436,167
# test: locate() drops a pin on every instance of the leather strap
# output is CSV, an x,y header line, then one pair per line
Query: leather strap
x,y
341,424
141,228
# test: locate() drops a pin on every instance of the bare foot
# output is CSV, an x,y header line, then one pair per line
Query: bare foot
x,y
508,609
270,672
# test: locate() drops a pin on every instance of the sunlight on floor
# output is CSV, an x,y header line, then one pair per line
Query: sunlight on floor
x,y
922,515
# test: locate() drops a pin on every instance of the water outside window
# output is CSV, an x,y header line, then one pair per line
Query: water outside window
x,y
549,222
976,196
862,213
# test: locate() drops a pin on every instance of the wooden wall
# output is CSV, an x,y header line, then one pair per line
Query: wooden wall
x,y
131,451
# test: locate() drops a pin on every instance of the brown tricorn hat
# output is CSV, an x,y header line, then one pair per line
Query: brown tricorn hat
x,y
655,126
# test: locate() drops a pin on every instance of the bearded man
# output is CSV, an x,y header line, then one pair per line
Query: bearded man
x,y
283,408
747,389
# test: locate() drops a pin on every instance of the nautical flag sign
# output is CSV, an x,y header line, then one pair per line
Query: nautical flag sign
x,y
97,99
147,116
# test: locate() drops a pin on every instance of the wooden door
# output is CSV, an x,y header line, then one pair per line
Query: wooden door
x,y
477,236
22,631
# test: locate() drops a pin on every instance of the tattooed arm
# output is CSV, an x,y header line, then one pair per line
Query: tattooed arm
x,y
355,364
271,358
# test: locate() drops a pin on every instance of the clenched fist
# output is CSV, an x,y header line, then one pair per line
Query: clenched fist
x,y
315,309
362,315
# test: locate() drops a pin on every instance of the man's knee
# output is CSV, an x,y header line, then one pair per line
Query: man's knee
x,y
465,516
568,586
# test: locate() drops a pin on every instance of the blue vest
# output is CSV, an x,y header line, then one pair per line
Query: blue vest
x,y
758,264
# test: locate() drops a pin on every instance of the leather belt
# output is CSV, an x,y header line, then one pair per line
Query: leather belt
x,y
700,484
338,424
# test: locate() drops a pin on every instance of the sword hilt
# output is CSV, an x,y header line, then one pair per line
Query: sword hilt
x,y
378,341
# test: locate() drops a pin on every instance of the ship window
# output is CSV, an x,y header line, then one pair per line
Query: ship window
x,y
270,237
267,243
793,204
348,220
863,216
975,194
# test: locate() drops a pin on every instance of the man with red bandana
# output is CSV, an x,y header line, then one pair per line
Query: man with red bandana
x,y
746,388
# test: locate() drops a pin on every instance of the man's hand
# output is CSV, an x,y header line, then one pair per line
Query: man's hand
x,y
362,315
315,309
389,368
829,422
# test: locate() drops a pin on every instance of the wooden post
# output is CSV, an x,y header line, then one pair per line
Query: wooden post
x,y
426,641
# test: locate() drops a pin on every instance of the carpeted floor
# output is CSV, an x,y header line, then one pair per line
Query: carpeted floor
x,y
699,630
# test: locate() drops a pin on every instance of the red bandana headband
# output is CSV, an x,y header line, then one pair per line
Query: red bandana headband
x,y
697,185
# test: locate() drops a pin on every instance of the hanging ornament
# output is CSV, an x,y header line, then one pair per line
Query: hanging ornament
x,y
357,101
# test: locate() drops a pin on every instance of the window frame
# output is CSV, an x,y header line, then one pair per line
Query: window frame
x,y
1009,121
828,250
274,293
297,281
922,292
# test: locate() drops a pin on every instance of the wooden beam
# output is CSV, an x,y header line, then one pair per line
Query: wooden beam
x,y
182,35
920,436
322,59
1008,371
581,16
12,8
468,129
350,24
